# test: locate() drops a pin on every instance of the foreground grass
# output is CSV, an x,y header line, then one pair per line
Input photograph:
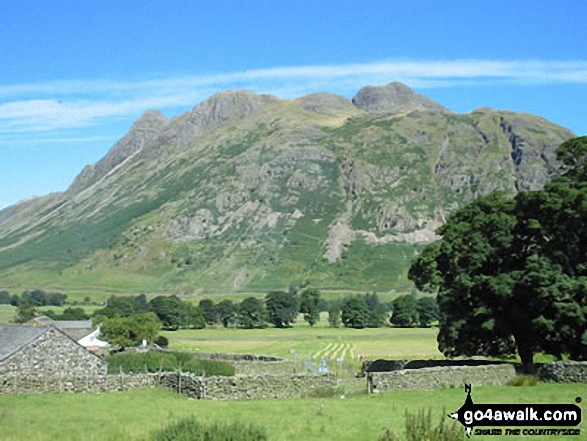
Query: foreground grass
x,y
133,415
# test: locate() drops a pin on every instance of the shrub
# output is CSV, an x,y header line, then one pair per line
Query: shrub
x,y
523,380
327,392
133,362
190,429
419,427
162,341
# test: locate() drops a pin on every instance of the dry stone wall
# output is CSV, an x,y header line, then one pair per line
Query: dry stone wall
x,y
247,387
564,372
53,353
285,367
20,384
214,388
439,377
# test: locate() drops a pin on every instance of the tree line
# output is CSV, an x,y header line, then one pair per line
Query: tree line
x,y
129,320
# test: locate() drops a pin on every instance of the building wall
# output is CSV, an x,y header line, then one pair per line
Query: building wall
x,y
53,353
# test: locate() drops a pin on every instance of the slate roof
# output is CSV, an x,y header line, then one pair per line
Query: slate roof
x,y
15,337
77,329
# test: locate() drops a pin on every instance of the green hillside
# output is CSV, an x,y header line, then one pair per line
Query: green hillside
x,y
251,192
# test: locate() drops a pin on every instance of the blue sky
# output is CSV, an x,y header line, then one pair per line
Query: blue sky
x,y
74,75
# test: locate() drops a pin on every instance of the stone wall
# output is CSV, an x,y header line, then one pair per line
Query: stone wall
x,y
53,353
247,388
212,388
439,377
20,384
564,372
285,367
235,357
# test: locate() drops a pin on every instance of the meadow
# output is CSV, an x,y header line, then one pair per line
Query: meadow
x,y
304,342
131,416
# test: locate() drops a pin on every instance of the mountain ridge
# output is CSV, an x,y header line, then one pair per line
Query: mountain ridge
x,y
248,191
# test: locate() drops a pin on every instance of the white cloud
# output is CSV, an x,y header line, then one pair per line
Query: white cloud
x,y
78,103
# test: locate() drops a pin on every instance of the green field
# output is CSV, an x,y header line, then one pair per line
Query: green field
x,y
130,416
304,342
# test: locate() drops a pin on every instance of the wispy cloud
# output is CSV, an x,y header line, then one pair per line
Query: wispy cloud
x,y
57,105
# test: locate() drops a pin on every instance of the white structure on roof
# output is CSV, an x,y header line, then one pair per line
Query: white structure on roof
x,y
91,340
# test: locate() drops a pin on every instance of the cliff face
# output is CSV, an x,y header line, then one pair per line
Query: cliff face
x,y
251,192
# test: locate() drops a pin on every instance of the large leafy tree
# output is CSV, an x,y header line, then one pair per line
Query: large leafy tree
x,y
334,315
428,311
227,312
209,311
511,274
282,308
405,311
309,305
172,312
251,313
354,313
131,330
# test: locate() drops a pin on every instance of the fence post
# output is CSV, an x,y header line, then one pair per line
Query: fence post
x,y
179,381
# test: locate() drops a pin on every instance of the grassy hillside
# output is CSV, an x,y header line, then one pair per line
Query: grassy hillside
x,y
252,193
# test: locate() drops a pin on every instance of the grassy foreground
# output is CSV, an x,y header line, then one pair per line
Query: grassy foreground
x,y
133,415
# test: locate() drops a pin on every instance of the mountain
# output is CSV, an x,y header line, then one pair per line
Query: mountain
x,y
250,192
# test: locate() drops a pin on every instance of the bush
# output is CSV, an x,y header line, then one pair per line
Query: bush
x,y
134,362
190,429
419,427
161,341
523,380
327,392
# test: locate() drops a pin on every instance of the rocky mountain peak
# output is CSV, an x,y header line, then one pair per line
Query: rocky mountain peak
x,y
220,107
394,96
150,120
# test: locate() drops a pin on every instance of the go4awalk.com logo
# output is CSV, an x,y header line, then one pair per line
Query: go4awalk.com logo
x,y
472,415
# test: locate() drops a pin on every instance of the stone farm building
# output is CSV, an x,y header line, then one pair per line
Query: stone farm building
x,y
30,350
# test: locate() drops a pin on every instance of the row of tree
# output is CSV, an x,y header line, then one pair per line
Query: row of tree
x,y
36,297
278,308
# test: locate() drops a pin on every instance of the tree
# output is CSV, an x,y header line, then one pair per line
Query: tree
x,y
309,305
171,311
428,311
251,314
139,304
209,311
354,313
5,297
405,311
334,315
131,330
36,297
282,308
116,306
196,317
511,274
25,312
227,312
377,311
56,299
72,314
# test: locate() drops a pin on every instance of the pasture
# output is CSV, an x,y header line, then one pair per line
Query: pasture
x,y
131,416
302,341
